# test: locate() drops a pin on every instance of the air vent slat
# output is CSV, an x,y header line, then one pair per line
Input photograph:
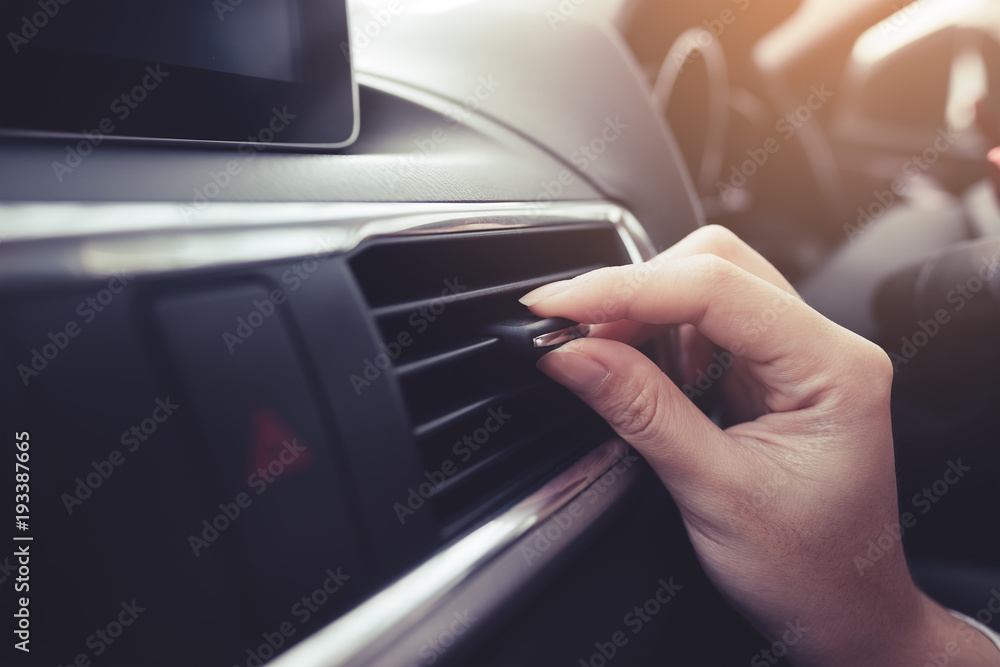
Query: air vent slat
x,y
482,415
451,356
428,428
545,462
518,288
470,474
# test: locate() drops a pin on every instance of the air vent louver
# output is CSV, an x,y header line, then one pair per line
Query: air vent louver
x,y
487,424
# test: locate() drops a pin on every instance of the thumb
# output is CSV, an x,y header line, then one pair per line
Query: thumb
x,y
644,407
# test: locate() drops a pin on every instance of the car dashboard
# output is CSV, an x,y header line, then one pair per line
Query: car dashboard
x,y
267,390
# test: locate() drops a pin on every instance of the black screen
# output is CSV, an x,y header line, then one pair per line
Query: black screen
x,y
206,70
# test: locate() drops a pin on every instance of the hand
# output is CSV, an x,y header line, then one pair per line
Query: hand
x,y
781,505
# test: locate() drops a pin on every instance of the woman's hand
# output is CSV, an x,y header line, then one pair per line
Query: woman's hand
x,y
783,506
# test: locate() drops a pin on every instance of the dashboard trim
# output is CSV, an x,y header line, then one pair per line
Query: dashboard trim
x,y
46,243
397,615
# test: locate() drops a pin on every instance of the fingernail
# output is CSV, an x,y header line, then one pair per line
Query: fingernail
x,y
575,371
544,292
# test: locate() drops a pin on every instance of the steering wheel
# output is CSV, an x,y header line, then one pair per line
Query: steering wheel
x,y
685,50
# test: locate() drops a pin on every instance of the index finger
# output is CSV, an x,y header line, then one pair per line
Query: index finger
x,y
711,239
718,240
732,307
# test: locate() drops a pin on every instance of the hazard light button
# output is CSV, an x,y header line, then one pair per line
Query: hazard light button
x,y
274,500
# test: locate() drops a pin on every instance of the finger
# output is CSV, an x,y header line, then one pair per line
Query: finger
x,y
627,331
697,351
723,301
643,406
711,239
720,241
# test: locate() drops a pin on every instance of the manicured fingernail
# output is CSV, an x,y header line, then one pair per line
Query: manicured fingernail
x,y
575,371
544,292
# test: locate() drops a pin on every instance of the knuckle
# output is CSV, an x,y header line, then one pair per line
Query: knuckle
x,y
638,411
719,240
715,274
714,268
878,366
870,382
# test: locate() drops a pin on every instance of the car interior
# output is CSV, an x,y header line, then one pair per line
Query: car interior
x,y
268,394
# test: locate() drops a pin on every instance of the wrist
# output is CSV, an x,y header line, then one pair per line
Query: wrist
x,y
924,634
990,634
892,628
950,640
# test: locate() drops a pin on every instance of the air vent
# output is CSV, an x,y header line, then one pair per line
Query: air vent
x,y
487,423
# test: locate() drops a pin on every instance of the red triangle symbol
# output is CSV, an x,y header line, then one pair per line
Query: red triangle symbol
x,y
274,447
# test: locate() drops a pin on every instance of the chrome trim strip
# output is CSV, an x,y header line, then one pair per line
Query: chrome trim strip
x,y
97,240
637,242
527,563
23,221
383,620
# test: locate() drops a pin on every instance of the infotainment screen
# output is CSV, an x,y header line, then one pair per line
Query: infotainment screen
x,y
268,72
